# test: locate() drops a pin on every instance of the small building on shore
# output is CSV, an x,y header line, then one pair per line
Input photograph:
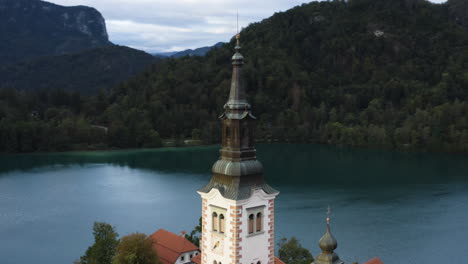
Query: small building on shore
x,y
172,248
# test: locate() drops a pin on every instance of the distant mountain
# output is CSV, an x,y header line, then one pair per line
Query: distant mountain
x,y
86,72
47,46
33,28
189,52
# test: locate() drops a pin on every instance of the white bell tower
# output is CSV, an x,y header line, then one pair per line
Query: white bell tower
x,y
237,204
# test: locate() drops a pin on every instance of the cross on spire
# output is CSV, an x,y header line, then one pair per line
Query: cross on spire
x,y
328,215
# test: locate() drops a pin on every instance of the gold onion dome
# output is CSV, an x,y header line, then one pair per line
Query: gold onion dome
x,y
328,242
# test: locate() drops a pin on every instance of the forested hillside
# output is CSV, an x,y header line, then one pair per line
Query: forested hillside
x,y
86,72
364,73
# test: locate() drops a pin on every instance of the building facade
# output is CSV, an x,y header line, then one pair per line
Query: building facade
x,y
237,203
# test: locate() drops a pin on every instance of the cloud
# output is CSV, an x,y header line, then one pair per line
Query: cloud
x,y
172,25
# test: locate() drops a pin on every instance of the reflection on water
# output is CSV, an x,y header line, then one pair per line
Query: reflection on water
x,y
402,207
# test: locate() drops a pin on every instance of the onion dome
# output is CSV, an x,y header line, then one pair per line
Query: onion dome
x,y
328,244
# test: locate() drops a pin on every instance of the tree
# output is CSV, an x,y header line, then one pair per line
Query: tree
x,y
291,252
104,247
136,248
194,236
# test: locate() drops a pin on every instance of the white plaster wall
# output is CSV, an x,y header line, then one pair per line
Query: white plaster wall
x,y
186,257
255,247
215,198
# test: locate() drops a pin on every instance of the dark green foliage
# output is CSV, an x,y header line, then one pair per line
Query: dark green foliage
x,y
104,247
291,252
195,234
33,28
136,248
85,72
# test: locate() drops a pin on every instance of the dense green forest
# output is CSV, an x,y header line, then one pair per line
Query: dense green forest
x,y
87,71
363,73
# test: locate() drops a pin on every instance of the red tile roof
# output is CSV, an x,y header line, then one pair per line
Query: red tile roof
x,y
196,259
169,245
278,261
374,261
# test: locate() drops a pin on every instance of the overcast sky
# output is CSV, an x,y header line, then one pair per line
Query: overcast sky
x,y
174,25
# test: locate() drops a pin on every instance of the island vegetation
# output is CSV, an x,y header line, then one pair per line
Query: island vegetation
x,y
137,248
361,73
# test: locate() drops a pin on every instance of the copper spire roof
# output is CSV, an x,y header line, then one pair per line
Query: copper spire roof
x,y
237,97
237,173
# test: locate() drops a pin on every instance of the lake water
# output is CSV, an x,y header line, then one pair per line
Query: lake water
x,y
402,207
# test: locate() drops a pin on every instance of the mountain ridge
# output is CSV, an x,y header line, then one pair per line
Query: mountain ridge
x,y
61,30
189,52
68,49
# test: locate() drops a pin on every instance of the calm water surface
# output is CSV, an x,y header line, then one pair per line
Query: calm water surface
x,y
403,207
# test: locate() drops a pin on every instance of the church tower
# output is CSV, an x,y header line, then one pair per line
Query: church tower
x,y
237,204
328,244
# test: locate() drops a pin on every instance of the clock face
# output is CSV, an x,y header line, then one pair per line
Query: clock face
x,y
217,244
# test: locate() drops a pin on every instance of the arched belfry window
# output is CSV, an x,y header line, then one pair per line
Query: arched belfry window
x,y
214,262
221,223
251,224
218,219
215,223
255,220
259,262
259,222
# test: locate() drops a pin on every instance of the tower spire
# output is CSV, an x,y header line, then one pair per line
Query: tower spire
x,y
237,203
237,97
328,244
237,173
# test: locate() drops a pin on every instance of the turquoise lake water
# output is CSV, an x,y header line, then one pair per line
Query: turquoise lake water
x,y
402,207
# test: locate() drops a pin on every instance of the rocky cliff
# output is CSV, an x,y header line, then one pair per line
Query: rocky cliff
x,y
33,28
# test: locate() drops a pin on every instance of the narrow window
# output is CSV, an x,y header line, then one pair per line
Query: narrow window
x,y
259,222
191,256
182,258
251,224
259,262
221,223
215,222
